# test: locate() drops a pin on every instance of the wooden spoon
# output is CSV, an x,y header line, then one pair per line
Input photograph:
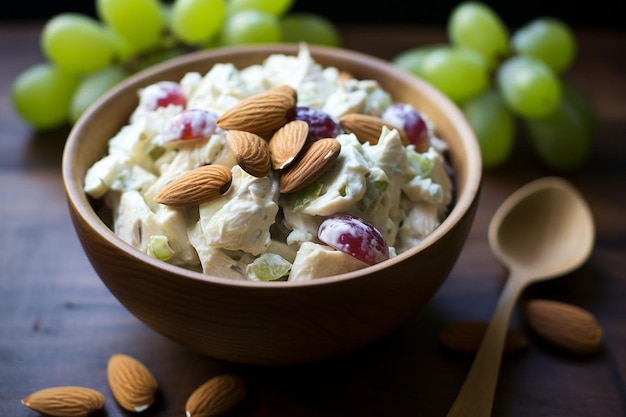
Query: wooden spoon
x,y
543,230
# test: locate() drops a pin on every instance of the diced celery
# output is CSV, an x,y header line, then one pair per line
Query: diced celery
x,y
373,194
159,247
268,267
306,195
421,163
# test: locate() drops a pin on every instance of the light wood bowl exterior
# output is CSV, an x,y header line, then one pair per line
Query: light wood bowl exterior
x,y
272,323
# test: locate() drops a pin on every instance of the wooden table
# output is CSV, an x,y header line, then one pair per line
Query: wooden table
x,y
59,324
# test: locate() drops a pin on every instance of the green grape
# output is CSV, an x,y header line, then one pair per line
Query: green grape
x,y
458,72
411,60
529,87
250,26
197,21
123,50
494,126
77,43
42,94
92,86
548,39
310,28
476,26
140,22
274,7
563,140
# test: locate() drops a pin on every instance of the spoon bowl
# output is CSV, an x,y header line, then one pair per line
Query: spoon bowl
x,y
543,230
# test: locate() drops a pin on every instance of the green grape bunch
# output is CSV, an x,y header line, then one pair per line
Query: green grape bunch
x,y
86,56
502,80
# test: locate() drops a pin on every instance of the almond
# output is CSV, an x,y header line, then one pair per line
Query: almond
x,y
565,326
260,114
367,128
313,162
196,187
466,336
286,144
65,401
345,76
217,396
132,384
251,152
285,89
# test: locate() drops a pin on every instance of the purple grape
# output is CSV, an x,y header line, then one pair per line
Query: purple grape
x,y
355,237
162,94
321,124
190,124
411,121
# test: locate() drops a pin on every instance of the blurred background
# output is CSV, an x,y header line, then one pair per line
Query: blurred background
x,y
596,14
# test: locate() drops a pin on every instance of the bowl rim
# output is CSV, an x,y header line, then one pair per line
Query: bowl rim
x,y
78,199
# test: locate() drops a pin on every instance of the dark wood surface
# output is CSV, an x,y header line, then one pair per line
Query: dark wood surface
x,y
59,325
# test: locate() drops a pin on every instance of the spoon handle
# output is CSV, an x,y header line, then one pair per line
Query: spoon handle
x,y
476,396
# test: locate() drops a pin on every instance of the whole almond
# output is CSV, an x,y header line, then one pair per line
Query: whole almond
x,y
466,336
367,128
311,165
260,114
251,152
286,144
217,396
197,186
132,384
65,401
565,326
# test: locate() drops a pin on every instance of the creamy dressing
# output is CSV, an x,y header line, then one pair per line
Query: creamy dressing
x,y
252,231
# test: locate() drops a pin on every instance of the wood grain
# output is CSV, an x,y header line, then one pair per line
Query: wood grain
x,y
59,324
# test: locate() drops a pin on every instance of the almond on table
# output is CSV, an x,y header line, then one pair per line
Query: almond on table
x,y
132,384
565,326
65,401
465,336
217,396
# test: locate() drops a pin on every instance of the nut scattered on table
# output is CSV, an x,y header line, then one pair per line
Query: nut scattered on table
x,y
565,326
132,384
465,337
217,396
65,401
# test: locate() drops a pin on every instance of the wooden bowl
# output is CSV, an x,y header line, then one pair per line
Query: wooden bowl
x,y
272,323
